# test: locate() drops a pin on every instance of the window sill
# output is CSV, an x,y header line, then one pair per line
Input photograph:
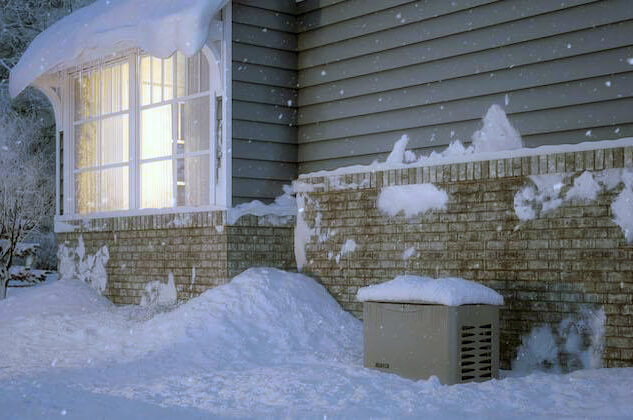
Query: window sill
x,y
146,219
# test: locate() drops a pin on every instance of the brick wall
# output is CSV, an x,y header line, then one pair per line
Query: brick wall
x,y
547,269
199,249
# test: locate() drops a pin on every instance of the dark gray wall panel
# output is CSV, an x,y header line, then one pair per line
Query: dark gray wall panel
x,y
261,169
556,47
559,68
243,53
253,150
584,117
332,12
254,131
257,189
405,14
255,112
553,96
271,19
281,6
272,95
505,80
269,76
264,98
264,37
424,48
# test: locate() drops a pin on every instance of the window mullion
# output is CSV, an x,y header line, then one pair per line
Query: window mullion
x,y
99,137
134,118
175,111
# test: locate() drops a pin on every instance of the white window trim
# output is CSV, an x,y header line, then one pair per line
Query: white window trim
x,y
218,56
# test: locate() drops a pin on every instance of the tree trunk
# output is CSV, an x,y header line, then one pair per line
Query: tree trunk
x,y
4,282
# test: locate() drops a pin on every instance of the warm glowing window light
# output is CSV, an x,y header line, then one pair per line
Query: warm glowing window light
x,y
171,143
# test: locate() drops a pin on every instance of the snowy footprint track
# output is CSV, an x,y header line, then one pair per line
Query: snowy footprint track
x,y
268,344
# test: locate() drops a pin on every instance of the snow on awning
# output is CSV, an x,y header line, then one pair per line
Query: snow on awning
x,y
160,27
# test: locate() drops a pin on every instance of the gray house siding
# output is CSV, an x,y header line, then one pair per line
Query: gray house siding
x,y
372,70
264,98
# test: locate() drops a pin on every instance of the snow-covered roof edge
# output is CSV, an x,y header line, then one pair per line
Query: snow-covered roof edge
x,y
160,27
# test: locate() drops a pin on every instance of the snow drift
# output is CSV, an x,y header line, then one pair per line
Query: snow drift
x,y
261,315
159,27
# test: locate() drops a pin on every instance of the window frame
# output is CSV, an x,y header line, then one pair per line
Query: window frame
x,y
218,176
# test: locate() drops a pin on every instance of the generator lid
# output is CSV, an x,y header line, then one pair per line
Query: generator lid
x,y
450,291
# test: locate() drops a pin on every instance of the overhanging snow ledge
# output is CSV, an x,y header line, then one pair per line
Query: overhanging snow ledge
x,y
159,27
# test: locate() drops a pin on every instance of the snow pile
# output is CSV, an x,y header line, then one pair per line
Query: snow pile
x,y
284,206
267,345
580,339
74,263
158,293
397,155
159,27
411,199
497,133
446,291
540,198
261,315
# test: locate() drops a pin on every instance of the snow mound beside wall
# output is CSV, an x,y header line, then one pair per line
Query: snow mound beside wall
x,y
262,316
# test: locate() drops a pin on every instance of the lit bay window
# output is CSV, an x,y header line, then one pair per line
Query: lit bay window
x,y
142,134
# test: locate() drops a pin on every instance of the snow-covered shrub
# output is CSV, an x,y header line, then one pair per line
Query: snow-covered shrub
x,y
26,190
46,255
22,20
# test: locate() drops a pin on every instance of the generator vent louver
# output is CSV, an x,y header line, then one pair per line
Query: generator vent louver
x,y
476,352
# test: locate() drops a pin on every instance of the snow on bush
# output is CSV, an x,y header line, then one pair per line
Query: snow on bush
x,y
497,133
444,291
158,293
74,263
159,27
580,339
411,199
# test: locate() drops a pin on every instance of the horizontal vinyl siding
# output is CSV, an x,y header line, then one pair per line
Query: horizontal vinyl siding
x,y
264,98
370,71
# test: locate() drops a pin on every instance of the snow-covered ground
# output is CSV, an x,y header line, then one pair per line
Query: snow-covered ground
x,y
268,344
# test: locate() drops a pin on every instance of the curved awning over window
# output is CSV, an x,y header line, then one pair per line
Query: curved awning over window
x,y
159,27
